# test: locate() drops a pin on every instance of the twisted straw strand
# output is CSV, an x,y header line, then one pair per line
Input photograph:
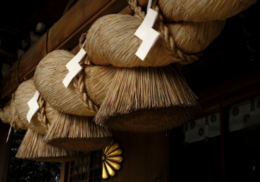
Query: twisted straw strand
x,y
79,84
41,113
181,57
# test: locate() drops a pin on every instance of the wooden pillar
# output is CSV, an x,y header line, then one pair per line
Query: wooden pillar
x,y
224,132
64,172
4,150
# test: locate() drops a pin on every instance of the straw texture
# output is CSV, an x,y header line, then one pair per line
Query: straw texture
x,y
77,133
33,148
9,116
202,10
97,82
193,37
147,100
111,41
48,78
179,55
14,119
23,95
50,113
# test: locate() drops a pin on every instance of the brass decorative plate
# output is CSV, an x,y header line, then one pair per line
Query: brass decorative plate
x,y
112,158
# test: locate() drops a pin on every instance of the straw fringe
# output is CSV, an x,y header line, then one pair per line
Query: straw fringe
x,y
147,99
33,148
48,78
78,133
202,10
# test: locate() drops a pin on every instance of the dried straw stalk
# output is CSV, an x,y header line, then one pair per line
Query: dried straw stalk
x,y
48,78
147,100
33,148
77,133
23,95
202,10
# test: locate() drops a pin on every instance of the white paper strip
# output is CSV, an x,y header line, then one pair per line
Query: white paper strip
x,y
149,5
146,33
214,125
33,105
197,131
73,66
149,41
237,114
10,129
147,24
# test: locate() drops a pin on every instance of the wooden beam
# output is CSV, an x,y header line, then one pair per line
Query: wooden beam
x,y
5,148
70,3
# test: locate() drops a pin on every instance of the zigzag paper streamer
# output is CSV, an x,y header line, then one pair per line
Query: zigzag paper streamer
x,y
146,33
33,105
74,67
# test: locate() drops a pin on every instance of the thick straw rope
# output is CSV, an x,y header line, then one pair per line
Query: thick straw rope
x,y
79,84
42,114
181,57
202,10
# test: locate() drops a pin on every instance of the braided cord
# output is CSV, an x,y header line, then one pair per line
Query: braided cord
x,y
180,56
41,113
79,84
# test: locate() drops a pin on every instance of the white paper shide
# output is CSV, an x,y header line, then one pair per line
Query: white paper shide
x,y
74,67
146,33
33,105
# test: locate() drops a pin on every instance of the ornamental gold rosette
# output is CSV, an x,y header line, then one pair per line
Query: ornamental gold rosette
x,y
112,158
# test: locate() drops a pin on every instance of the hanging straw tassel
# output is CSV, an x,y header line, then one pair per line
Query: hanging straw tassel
x,y
147,100
17,123
23,95
202,10
9,116
48,78
33,148
77,133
